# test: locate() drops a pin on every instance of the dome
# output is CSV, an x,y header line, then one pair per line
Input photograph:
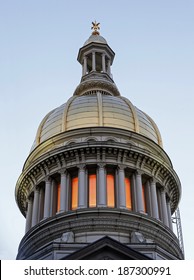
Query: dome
x,y
94,110
97,156
96,39
96,101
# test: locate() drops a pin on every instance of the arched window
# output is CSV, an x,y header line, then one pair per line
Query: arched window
x,y
92,190
110,184
74,193
128,193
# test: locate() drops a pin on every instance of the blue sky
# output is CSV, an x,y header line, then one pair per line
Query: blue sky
x,y
153,67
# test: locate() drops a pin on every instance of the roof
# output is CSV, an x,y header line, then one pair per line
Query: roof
x,y
96,39
94,110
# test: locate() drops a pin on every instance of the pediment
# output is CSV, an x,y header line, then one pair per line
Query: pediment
x,y
106,248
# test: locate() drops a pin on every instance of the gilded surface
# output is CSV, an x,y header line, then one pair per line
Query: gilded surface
x,y
95,27
86,111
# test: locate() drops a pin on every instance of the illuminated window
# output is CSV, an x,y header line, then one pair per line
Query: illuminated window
x,y
92,190
74,193
128,193
110,190
58,197
144,198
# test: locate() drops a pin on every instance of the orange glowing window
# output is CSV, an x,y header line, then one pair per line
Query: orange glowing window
x,y
58,197
74,193
92,190
128,193
110,190
144,198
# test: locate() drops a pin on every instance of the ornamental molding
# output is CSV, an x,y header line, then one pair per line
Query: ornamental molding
x,y
97,85
102,155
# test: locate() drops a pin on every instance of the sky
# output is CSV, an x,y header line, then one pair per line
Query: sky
x,y
153,67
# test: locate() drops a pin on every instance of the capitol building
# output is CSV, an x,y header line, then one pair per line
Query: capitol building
x,y
97,183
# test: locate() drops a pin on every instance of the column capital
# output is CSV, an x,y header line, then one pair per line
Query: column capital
x,y
139,172
101,165
163,190
48,179
63,171
30,199
153,180
121,167
81,166
168,200
36,188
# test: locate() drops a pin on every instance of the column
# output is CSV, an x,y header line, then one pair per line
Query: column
x,y
108,68
154,200
164,207
148,198
101,188
63,193
53,205
85,66
47,198
159,204
133,193
68,192
103,63
41,204
35,210
29,214
82,191
93,61
169,214
140,206
121,187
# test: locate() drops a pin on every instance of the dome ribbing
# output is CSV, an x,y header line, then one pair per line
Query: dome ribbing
x,y
93,110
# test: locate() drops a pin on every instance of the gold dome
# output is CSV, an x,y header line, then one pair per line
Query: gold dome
x,y
96,101
96,110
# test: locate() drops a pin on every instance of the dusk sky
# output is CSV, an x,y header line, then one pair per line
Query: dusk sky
x,y
154,68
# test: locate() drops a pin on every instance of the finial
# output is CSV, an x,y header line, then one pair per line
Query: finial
x,y
95,27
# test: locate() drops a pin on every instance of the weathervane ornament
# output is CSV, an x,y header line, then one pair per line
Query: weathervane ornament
x,y
95,27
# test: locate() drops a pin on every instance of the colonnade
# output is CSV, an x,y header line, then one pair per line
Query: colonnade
x,y
104,65
55,195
